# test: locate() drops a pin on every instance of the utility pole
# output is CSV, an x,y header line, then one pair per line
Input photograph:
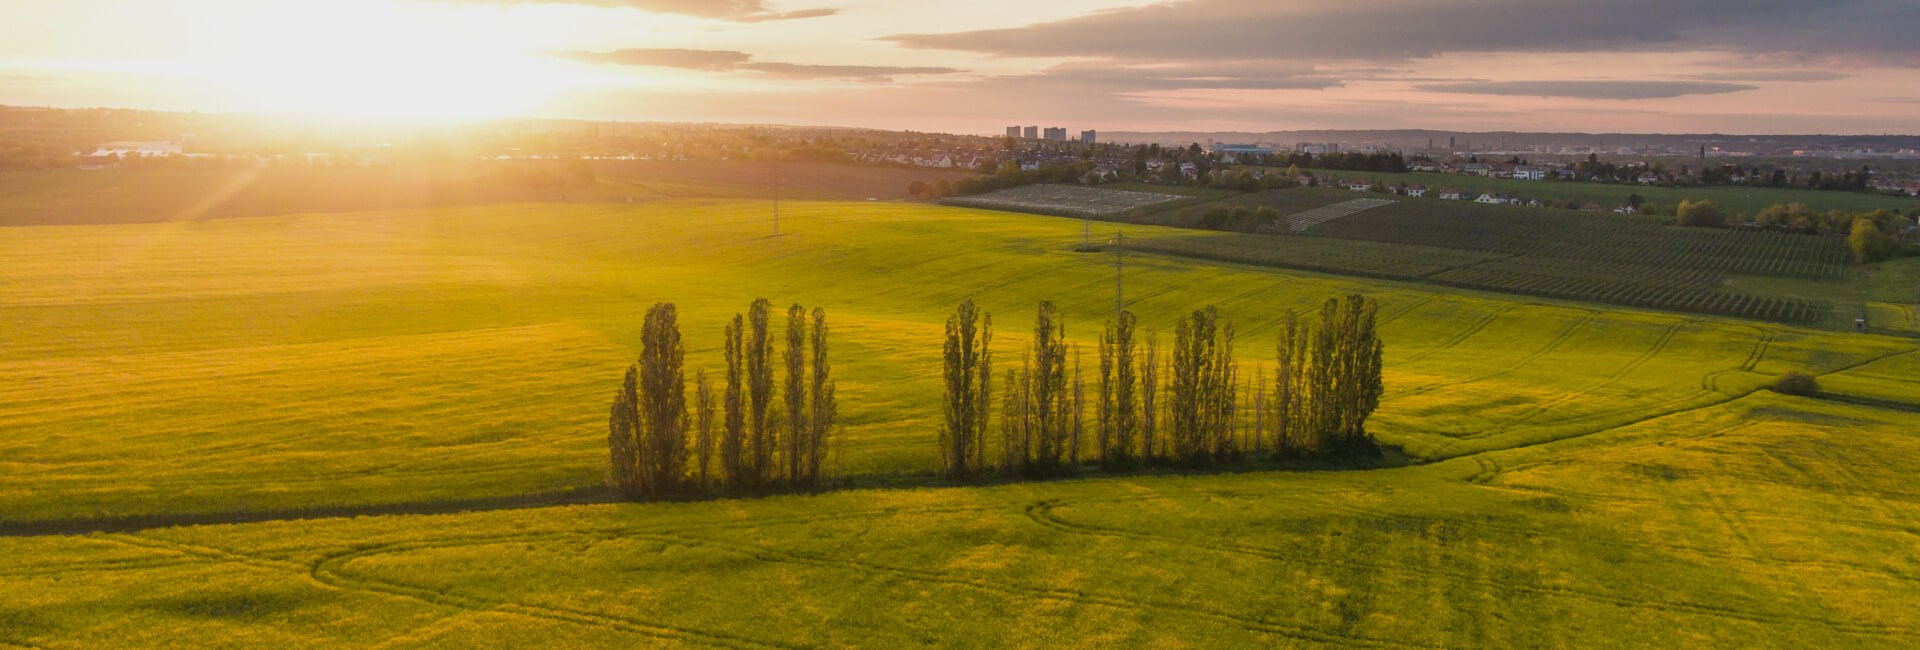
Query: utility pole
x,y
1119,274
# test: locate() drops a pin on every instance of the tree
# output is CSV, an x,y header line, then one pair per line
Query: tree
x,y
1700,214
796,393
967,372
734,447
1149,394
1048,389
1797,383
825,410
663,402
623,437
1869,243
703,410
759,395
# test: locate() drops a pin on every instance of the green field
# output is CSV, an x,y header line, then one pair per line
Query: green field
x,y
1580,475
1732,199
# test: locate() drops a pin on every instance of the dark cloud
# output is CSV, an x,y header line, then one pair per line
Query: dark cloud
x,y
714,60
1587,89
745,11
1772,75
1400,29
854,72
1120,76
731,61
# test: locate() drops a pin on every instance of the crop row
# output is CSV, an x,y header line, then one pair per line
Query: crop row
x,y
1639,290
1312,254
1600,238
1063,200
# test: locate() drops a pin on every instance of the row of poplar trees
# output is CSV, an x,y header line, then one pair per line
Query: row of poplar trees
x,y
661,446
1189,406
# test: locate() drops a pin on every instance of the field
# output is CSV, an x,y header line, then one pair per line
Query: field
x,y
1732,199
63,197
1064,200
1578,475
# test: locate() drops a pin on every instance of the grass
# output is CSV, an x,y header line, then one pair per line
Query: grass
x,y
1731,199
1582,476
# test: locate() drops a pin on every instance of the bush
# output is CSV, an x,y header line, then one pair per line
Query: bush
x,y
1796,383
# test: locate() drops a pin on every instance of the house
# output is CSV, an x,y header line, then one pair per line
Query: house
x,y
1189,170
1425,167
1360,185
1627,209
1477,169
1449,194
1530,174
1416,191
1491,199
1649,178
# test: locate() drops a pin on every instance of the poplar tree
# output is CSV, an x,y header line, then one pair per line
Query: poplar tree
x,y
1078,409
1105,419
623,437
759,350
825,410
1048,389
663,402
733,443
1149,395
967,376
703,410
796,394
1013,423
1125,408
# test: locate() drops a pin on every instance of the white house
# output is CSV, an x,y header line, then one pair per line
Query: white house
x,y
1477,169
1449,194
1360,185
1530,174
1649,178
1416,191
1489,198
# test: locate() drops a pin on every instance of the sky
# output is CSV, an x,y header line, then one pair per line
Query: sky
x,y
1726,66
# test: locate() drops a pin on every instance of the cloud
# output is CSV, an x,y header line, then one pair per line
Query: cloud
x,y
733,61
744,11
855,72
712,60
1404,29
1587,89
1772,75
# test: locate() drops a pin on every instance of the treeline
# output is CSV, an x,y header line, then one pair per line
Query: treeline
x,y
1356,162
1871,236
1191,405
753,435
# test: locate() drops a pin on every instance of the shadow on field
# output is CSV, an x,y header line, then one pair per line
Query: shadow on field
x,y
1389,457
81,526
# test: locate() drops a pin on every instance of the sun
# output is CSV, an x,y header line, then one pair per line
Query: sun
x,y
381,61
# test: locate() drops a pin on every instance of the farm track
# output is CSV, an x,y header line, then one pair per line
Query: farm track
x,y
1041,513
1462,336
1659,345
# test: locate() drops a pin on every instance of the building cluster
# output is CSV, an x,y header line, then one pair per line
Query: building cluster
x,y
1050,134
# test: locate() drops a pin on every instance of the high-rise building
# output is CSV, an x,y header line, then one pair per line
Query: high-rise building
x,y
1056,134
1031,132
1013,132
1086,137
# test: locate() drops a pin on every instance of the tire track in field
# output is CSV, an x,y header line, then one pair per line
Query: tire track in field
x,y
1462,336
329,570
1040,513
1410,308
1114,601
1659,345
1550,346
